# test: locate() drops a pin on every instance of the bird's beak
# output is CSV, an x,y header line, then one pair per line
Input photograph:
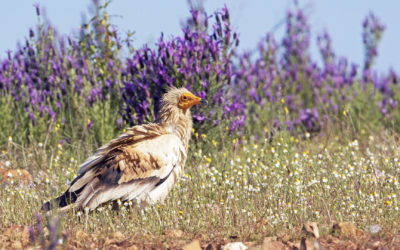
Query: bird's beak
x,y
195,100
204,101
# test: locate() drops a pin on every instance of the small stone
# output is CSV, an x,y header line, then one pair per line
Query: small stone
x,y
118,236
133,247
311,228
80,235
374,229
194,245
347,229
16,245
234,246
271,243
25,237
173,233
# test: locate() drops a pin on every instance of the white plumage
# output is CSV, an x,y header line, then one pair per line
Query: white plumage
x,y
142,164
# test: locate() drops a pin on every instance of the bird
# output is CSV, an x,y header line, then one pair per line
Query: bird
x,y
141,165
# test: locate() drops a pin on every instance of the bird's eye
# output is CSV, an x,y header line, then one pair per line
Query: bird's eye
x,y
184,97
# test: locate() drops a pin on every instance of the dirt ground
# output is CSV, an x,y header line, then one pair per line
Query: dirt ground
x,y
341,236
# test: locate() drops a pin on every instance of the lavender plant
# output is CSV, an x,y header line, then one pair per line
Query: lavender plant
x,y
285,88
372,33
83,87
55,81
200,59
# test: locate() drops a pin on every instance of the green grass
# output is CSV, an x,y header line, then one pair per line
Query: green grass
x,y
248,191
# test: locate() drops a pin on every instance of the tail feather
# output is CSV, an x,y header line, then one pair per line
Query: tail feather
x,y
95,193
70,196
64,200
124,192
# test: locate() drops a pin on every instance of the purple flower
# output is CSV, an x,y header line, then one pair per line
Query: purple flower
x,y
372,34
90,124
310,119
37,7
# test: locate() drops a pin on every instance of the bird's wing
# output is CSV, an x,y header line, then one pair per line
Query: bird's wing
x,y
128,166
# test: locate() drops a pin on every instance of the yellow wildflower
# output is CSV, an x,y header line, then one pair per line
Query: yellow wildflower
x,y
286,110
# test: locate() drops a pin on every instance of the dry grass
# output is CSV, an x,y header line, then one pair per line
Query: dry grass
x,y
228,193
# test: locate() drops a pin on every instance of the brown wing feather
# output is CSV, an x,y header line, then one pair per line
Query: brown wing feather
x,y
134,135
144,155
118,156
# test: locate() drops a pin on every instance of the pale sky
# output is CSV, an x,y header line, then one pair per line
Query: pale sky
x,y
252,19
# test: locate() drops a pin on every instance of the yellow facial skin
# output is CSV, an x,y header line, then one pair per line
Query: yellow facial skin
x,y
187,100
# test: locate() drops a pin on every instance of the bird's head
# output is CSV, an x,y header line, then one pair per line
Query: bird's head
x,y
175,112
181,98
176,105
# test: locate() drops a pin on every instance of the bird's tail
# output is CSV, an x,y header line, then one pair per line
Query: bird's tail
x,y
65,201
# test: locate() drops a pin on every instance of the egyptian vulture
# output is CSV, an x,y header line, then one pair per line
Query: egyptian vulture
x,y
142,164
